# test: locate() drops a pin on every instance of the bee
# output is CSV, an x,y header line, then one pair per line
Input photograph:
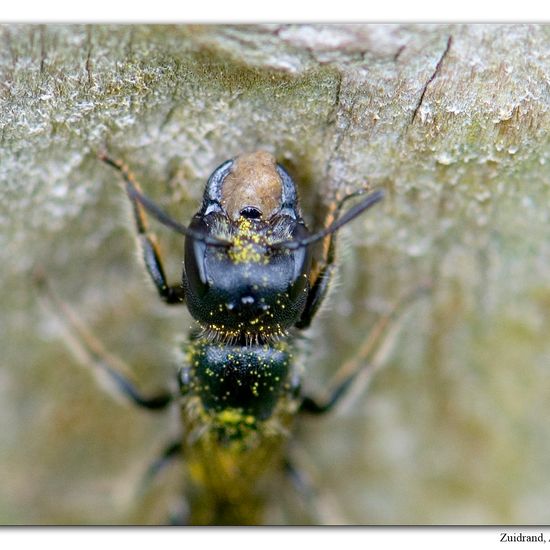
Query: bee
x,y
251,282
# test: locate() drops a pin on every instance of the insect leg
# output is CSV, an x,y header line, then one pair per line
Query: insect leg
x,y
91,352
304,490
322,272
314,406
170,453
319,506
300,482
362,364
171,294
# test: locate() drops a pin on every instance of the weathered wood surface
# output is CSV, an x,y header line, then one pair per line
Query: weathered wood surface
x,y
452,120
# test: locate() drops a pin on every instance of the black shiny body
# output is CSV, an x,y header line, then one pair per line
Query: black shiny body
x,y
250,379
248,290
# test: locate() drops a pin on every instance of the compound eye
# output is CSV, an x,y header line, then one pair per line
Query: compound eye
x,y
251,213
195,260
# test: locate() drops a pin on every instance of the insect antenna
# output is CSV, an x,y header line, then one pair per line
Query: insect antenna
x,y
160,215
350,215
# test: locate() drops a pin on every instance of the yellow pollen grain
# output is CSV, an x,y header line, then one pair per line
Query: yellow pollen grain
x,y
244,249
231,416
